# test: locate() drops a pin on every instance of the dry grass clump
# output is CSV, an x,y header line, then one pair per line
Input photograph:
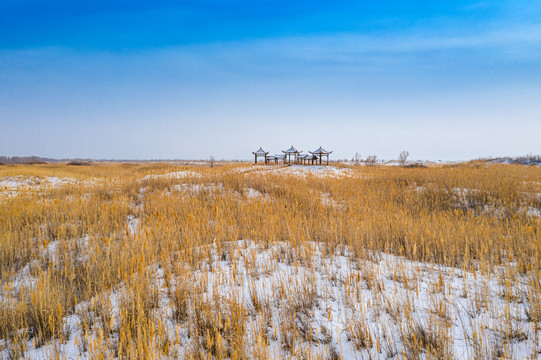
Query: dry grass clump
x,y
144,261
79,163
219,326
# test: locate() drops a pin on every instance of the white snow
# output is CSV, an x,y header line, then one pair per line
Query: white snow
x,y
172,175
327,200
334,295
304,170
133,224
21,182
254,194
298,170
533,212
14,185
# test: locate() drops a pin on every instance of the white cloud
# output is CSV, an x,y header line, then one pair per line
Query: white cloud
x,y
344,47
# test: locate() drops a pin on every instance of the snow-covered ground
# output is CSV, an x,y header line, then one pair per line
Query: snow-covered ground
x,y
299,170
17,183
309,301
172,175
313,301
316,170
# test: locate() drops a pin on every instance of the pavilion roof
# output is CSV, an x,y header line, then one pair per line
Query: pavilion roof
x,y
291,150
320,151
260,152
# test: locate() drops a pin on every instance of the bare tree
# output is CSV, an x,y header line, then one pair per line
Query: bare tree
x,y
371,160
403,157
357,158
212,161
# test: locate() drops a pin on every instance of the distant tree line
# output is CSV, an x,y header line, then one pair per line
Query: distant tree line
x,y
25,160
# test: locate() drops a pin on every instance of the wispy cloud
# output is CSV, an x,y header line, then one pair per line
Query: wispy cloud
x,y
520,42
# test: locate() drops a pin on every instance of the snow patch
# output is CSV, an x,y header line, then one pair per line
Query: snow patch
x,y
358,308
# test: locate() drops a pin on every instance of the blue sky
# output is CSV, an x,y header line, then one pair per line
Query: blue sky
x,y
190,79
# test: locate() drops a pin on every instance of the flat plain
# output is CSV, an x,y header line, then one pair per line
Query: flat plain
x,y
154,261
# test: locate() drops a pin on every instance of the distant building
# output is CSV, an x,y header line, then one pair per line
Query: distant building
x,y
291,152
260,153
320,153
294,156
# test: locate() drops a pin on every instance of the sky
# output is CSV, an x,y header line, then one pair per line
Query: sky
x,y
163,79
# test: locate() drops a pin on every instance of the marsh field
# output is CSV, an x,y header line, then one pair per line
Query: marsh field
x,y
154,261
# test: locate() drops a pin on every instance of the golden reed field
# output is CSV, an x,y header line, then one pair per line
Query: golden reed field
x,y
158,261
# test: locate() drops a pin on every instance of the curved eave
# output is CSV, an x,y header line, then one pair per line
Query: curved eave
x,y
321,153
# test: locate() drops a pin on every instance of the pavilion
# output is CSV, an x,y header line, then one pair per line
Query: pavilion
x,y
320,153
291,152
260,153
293,155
